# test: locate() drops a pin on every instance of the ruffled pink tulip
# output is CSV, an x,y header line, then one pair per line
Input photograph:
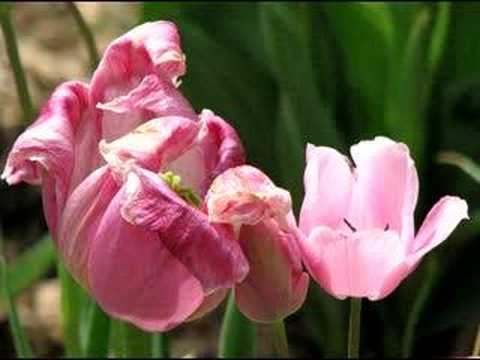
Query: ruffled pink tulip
x,y
261,214
358,220
109,157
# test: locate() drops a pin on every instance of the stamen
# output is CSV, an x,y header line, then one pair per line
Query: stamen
x,y
349,225
387,227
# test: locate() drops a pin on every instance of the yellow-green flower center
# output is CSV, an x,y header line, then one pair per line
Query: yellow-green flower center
x,y
187,194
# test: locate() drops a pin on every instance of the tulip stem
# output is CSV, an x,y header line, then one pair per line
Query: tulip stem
x,y
15,63
86,33
280,342
476,346
354,328
238,335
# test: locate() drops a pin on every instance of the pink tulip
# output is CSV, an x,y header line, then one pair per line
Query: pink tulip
x,y
261,214
358,222
124,164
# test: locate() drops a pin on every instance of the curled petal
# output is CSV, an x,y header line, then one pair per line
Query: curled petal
x,y
328,182
154,95
276,285
151,48
209,251
355,264
245,195
83,212
134,277
386,187
442,219
221,145
151,145
47,152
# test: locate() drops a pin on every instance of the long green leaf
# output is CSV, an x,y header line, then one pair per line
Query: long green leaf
x,y
22,346
304,115
238,336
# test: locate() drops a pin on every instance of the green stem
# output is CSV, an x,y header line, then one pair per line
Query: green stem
x,y
136,342
418,306
98,331
354,328
476,346
73,298
160,346
22,346
238,336
15,63
86,33
280,342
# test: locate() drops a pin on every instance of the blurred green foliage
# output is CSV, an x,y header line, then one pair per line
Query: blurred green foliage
x,y
333,73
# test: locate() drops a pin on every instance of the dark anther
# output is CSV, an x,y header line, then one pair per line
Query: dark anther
x,y
349,225
387,227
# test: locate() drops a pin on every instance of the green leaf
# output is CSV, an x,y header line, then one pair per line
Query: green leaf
x,y
365,63
454,301
304,114
31,265
22,346
238,336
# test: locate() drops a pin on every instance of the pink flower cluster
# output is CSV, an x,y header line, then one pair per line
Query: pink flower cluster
x,y
155,213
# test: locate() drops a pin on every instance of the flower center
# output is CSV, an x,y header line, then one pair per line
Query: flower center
x,y
354,229
187,194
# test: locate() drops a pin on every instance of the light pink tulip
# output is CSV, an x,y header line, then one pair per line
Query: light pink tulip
x,y
144,250
357,219
261,214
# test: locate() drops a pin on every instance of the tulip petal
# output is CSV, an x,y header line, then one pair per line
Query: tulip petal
x,y
134,277
80,219
245,195
386,187
151,145
47,152
151,48
276,286
154,95
209,251
328,183
352,264
442,219
209,304
217,148
229,148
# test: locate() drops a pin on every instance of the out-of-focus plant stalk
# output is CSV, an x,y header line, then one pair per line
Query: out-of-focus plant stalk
x,y
15,63
86,34
279,337
476,346
238,336
22,346
418,306
354,328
